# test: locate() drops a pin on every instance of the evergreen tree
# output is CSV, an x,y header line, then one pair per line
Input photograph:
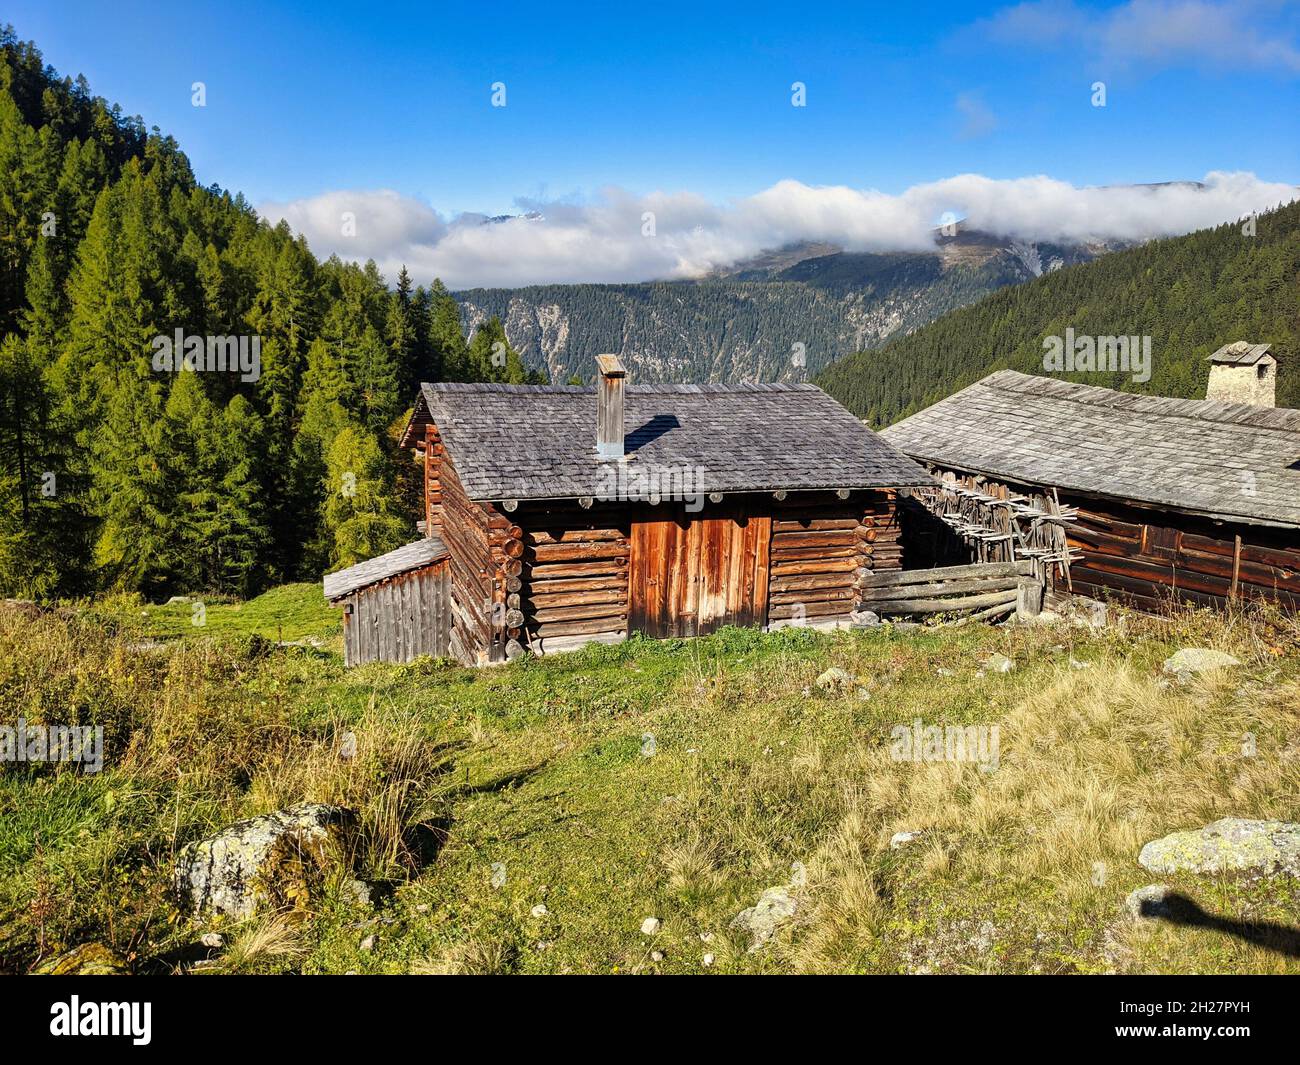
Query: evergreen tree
x,y
362,512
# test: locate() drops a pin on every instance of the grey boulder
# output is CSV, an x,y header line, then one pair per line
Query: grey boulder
x,y
1189,660
278,860
1229,845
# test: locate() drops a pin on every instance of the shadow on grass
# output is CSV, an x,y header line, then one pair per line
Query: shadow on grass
x,y
1180,910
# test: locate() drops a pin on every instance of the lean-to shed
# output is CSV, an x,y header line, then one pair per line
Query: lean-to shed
x,y
397,606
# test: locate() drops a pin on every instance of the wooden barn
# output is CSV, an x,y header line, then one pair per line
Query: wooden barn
x,y
1112,494
577,514
395,607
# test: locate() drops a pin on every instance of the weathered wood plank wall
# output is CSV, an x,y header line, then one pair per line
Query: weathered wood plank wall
x,y
691,573
400,618
1148,557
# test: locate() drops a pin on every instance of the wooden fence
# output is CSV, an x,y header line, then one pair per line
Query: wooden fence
x,y
989,588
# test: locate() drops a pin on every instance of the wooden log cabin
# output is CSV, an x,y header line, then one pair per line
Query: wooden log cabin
x,y
1144,499
578,514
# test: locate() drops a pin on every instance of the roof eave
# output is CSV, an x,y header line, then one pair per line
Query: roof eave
x,y
1092,493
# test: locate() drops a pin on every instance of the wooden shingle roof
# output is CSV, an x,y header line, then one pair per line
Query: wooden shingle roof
x,y
373,570
539,442
1228,461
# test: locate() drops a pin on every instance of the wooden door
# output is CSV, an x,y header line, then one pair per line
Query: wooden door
x,y
689,574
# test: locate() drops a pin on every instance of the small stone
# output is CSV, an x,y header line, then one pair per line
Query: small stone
x,y
1076,664
1149,902
539,910
706,937
422,907
999,663
89,959
368,944
944,672
656,955
213,939
707,960
902,839
270,861
868,618
774,908
650,926
348,746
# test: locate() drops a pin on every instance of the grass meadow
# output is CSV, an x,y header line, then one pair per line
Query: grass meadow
x,y
673,779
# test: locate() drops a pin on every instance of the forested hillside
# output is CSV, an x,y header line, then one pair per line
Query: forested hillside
x,y
779,319
116,474
1190,294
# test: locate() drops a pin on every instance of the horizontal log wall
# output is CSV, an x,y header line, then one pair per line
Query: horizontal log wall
x,y
573,580
467,529
1149,558
821,546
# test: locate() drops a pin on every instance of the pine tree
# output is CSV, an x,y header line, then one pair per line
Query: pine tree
x,y
450,354
362,513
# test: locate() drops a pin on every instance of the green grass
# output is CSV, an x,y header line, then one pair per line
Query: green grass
x,y
540,773
290,612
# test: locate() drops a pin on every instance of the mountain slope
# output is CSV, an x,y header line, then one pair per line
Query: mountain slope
x,y
745,323
1190,294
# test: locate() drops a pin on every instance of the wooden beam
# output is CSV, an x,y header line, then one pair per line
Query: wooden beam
x,y
1022,568
940,606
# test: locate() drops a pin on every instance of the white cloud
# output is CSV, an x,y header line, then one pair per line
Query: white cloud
x,y
605,240
1148,35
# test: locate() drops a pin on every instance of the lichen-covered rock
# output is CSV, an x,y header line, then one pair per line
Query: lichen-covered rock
x,y
89,959
1191,660
278,861
1229,845
774,908
835,679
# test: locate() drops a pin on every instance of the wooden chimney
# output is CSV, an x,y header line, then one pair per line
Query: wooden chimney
x,y
609,407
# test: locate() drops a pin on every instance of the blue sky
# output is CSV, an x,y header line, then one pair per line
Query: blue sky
x,y
305,100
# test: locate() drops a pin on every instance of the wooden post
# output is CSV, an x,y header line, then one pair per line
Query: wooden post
x,y
1236,566
1029,600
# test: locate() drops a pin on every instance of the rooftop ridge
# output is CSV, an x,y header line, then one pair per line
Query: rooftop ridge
x,y
1278,419
743,388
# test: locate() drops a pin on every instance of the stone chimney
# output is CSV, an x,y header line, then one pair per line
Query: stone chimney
x,y
1243,373
609,407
